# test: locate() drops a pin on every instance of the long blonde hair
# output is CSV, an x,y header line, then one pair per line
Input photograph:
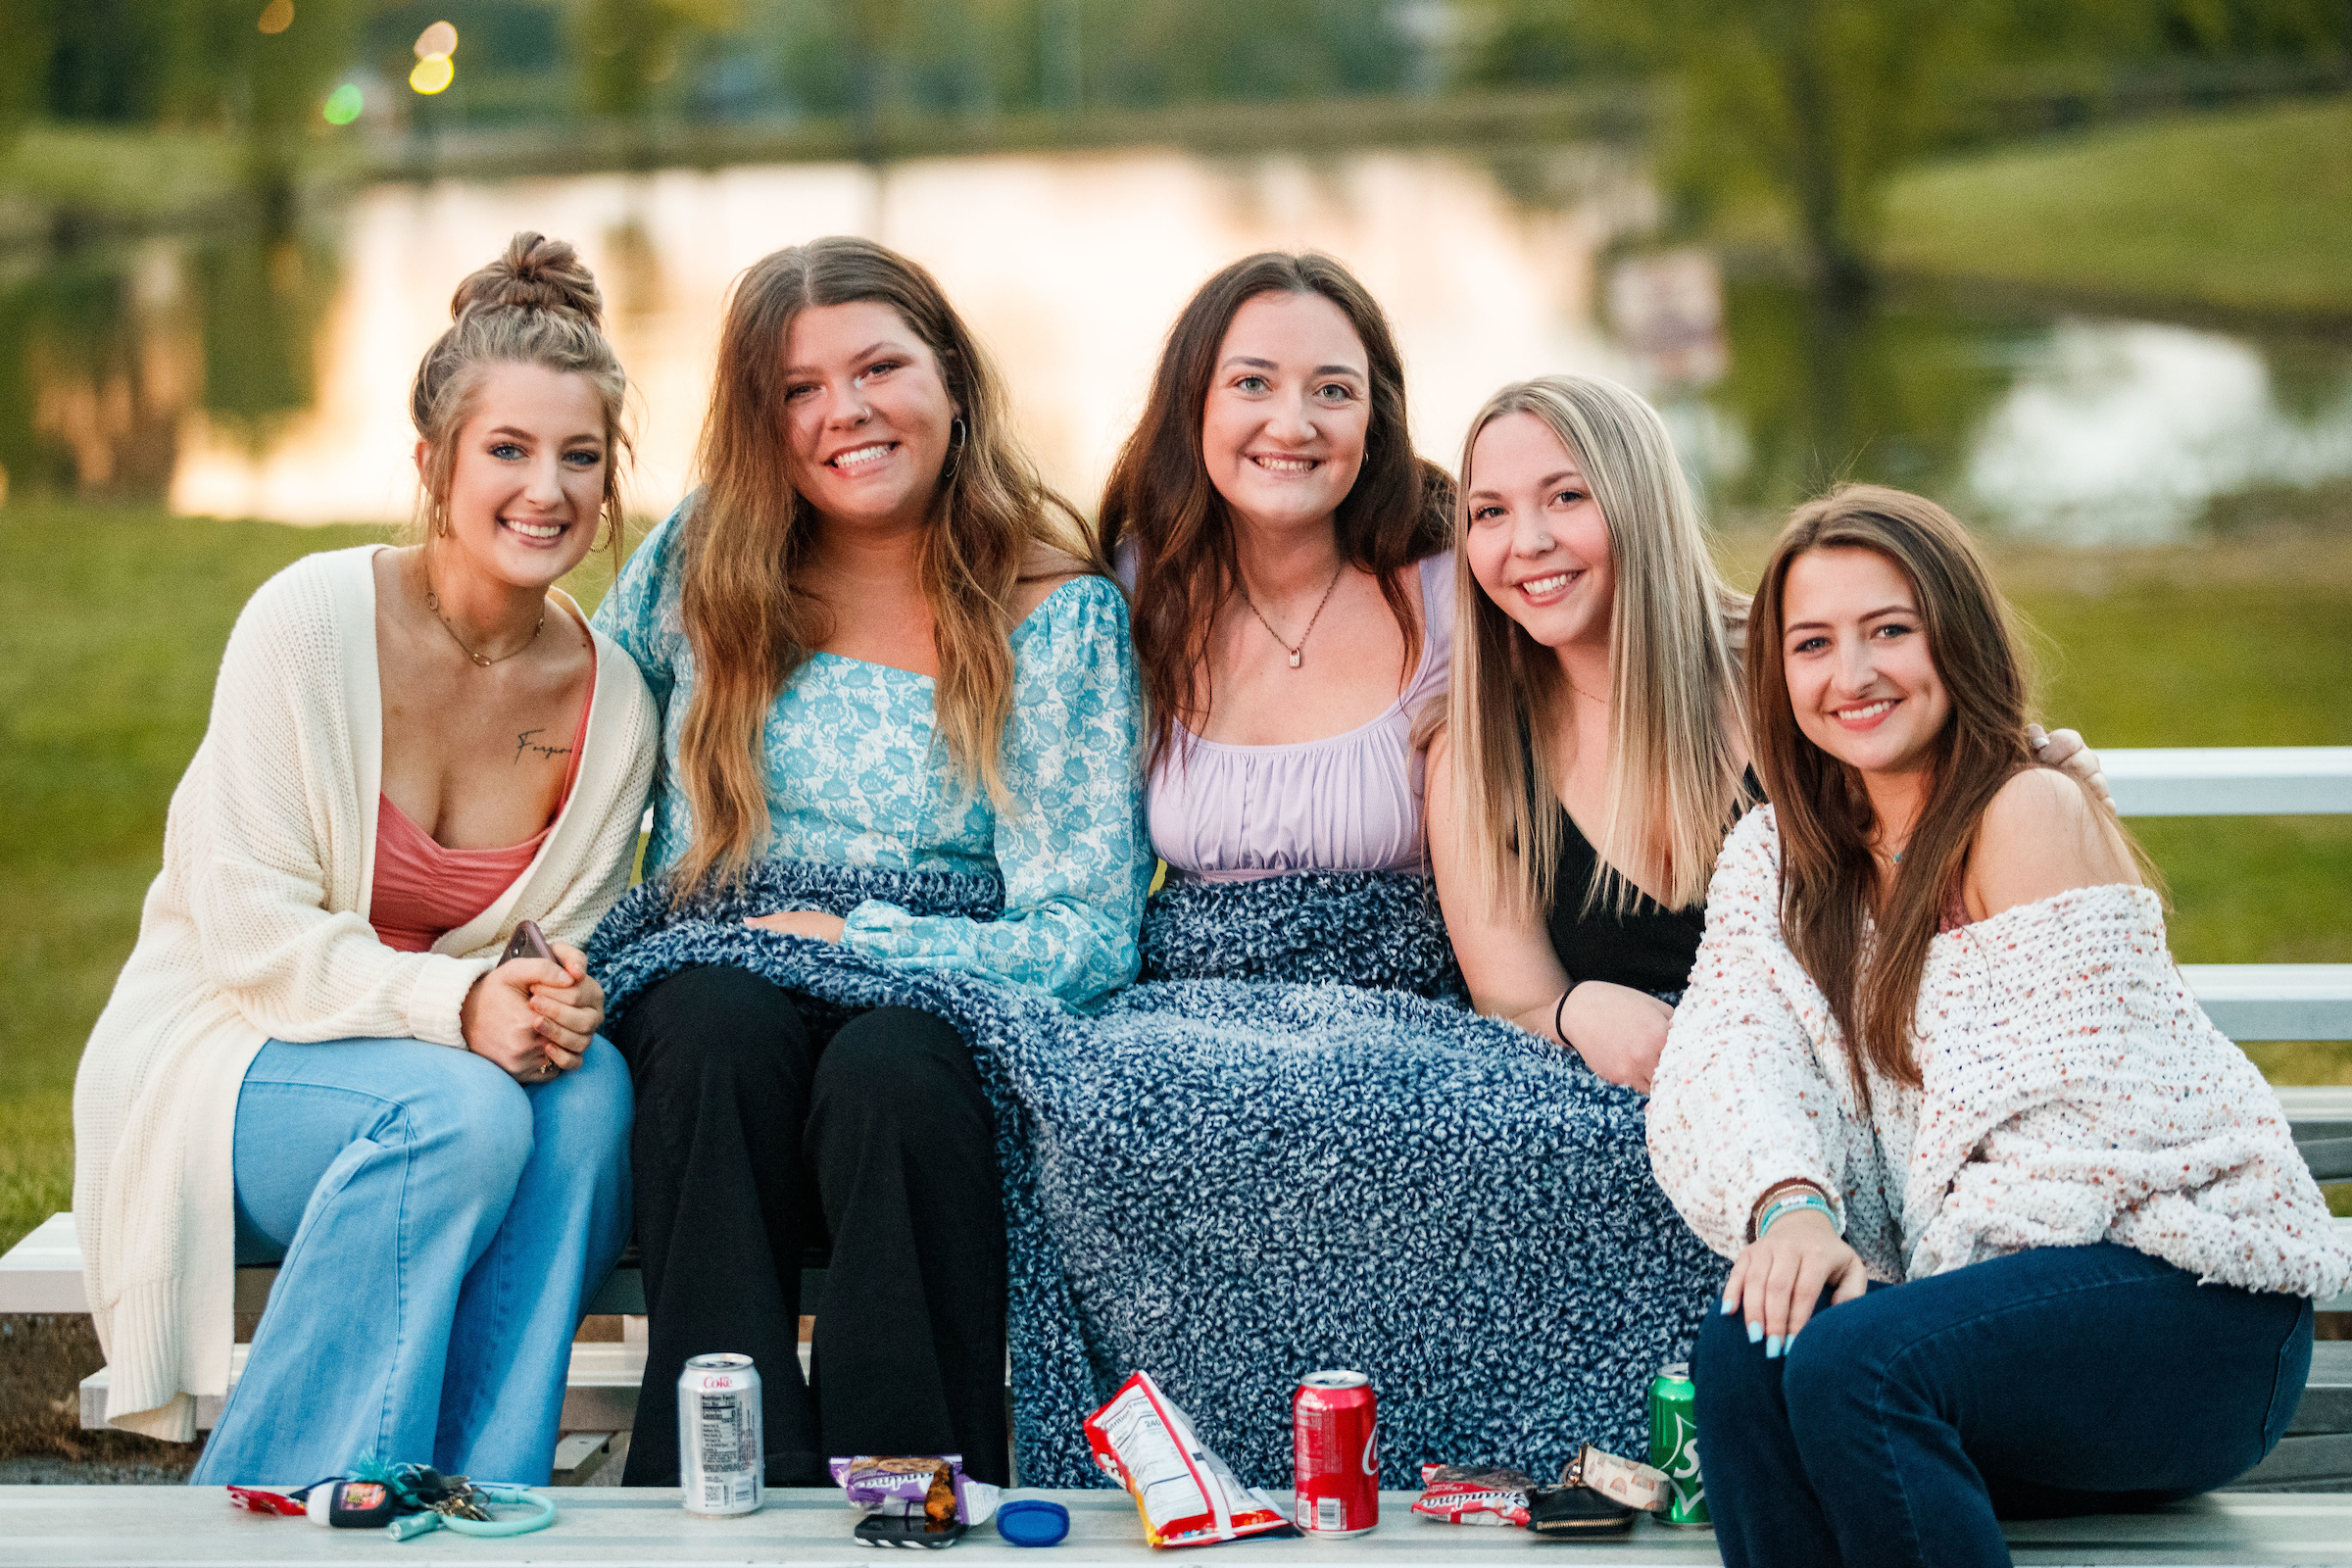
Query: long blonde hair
x,y
1674,775
747,535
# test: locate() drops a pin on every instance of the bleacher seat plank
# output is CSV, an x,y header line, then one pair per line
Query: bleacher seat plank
x,y
2229,780
2274,1000
136,1527
600,1390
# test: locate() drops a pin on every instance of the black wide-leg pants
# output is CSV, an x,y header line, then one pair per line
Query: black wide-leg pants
x,y
744,1114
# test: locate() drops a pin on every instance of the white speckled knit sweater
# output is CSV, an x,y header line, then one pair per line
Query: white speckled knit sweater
x,y
2073,1092
258,929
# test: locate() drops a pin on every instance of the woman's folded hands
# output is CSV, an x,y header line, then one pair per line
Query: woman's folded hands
x,y
532,1017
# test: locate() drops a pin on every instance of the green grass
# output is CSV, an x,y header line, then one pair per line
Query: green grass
x,y
110,628
124,170
2248,211
112,625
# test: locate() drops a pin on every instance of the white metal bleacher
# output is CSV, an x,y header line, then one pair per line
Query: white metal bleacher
x,y
2247,1001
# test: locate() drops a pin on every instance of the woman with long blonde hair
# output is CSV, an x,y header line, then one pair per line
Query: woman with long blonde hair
x,y
898,742
1594,753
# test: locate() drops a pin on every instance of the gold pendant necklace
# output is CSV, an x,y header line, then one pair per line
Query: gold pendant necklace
x,y
1297,653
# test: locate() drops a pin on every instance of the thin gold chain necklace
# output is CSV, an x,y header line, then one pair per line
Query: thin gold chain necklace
x,y
433,601
1297,653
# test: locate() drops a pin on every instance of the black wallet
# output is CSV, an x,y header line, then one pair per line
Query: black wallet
x,y
1576,1512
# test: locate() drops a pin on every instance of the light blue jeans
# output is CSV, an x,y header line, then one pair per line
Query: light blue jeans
x,y
440,1226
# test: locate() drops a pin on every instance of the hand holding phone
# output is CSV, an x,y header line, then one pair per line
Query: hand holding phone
x,y
529,942
565,1012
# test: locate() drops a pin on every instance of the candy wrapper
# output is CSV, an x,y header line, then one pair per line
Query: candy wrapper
x,y
1187,1496
1468,1495
929,1486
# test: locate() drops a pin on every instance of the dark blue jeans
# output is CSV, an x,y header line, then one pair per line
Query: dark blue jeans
x,y
1898,1428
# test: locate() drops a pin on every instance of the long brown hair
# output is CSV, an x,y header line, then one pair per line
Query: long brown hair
x,y
537,304
1160,494
747,535
1673,785
1830,912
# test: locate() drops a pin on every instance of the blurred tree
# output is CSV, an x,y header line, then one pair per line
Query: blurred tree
x,y
629,49
26,27
1818,101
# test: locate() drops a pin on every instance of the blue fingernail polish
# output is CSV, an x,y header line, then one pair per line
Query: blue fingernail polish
x,y
1755,1332
1771,1348
1731,1304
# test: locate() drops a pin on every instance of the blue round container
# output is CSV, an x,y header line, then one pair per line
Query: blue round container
x,y
1033,1521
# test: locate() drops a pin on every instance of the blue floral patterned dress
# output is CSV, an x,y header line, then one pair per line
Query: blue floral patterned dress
x,y
857,776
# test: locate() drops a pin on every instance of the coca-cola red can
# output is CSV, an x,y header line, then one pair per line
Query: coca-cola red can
x,y
1335,1436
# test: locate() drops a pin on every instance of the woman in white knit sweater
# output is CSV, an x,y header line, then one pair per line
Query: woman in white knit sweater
x,y
1939,1088
313,1052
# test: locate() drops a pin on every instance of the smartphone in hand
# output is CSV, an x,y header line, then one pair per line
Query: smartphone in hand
x,y
529,942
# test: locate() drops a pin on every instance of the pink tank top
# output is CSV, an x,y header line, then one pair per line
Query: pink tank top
x,y
424,890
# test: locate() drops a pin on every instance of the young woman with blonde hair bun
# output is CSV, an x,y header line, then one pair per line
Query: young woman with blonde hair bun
x,y
316,1052
900,794
1940,1092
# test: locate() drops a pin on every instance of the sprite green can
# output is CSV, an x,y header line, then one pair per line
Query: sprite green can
x,y
1674,1443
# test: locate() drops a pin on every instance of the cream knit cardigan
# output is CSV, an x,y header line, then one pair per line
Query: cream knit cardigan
x,y
2073,1092
256,929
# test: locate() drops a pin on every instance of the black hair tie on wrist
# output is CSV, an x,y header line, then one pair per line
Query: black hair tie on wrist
x,y
1557,1009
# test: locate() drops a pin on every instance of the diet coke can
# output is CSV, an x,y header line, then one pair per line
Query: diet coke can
x,y
1335,1436
722,1460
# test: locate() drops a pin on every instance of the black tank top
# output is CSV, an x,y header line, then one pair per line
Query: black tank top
x,y
1648,947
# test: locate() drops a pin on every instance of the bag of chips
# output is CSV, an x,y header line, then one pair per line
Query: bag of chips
x,y
1187,1496
1471,1495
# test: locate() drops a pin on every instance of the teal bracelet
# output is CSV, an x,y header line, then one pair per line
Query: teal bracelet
x,y
1794,1202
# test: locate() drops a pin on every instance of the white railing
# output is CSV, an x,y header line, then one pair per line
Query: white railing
x,y
2249,1001
2231,781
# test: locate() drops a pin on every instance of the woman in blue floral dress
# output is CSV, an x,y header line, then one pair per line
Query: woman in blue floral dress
x,y
900,729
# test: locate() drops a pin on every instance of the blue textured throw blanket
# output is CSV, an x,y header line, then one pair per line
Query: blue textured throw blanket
x,y
1229,1184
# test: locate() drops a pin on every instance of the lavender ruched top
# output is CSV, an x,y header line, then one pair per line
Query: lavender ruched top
x,y
1345,803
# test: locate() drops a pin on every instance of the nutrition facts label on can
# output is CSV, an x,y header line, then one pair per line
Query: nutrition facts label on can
x,y
723,1432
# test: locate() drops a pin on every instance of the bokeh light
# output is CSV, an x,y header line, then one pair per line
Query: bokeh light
x,y
277,16
438,39
344,104
432,74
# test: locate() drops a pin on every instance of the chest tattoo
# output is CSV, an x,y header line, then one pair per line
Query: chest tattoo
x,y
523,743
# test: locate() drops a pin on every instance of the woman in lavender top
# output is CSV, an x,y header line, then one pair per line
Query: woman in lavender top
x,y
1284,547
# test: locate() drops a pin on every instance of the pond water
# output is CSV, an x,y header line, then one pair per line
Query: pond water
x,y
244,376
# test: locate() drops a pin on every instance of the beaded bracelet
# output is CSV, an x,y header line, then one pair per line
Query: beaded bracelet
x,y
1790,1205
1793,1184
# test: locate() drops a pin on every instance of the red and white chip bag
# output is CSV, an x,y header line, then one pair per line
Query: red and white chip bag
x,y
1468,1495
1187,1496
